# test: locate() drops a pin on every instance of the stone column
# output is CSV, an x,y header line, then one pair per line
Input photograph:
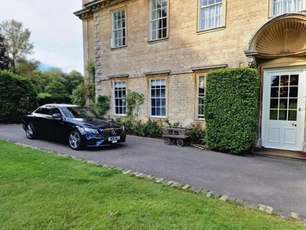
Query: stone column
x,y
97,50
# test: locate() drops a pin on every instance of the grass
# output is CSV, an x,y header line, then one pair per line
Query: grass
x,y
39,190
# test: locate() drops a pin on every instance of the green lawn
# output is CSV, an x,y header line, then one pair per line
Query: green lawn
x,y
39,190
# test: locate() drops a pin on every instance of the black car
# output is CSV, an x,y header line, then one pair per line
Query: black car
x,y
78,125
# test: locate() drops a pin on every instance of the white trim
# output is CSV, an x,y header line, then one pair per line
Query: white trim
x,y
165,97
114,98
268,125
198,97
290,4
222,15
157,19
122,39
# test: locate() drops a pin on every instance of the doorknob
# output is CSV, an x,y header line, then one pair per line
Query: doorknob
x,y
294,124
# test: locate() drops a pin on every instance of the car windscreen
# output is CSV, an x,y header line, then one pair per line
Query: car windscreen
x,y
79,112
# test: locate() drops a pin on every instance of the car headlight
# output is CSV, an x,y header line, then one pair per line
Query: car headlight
x,y
92,131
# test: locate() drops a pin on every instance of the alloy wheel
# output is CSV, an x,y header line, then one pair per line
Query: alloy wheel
x,y
74,140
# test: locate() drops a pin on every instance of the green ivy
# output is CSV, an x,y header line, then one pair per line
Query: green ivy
x,y
231,109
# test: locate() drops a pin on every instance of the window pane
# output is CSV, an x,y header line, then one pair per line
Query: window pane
x,y
274,104
283,104
211,14
292,103
292,115
275,81
274,92
158,97
119,93
284,80
286,6
282,115
283,92
118,34
158,16
273,114
293,91
294,79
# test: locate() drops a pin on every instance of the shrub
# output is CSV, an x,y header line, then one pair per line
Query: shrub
x,y
144,129
231,109
17,97
102,104
197,135
45,98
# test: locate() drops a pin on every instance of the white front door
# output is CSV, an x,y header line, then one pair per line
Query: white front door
x,y
283,112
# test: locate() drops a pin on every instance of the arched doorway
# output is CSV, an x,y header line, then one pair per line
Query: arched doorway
x,y
278,50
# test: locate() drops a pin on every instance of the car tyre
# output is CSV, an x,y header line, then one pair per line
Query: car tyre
x,y
75,140
30,131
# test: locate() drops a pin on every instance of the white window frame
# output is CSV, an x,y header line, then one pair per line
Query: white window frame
x,y
161,85
215,7
156,19
200,97
119,28
121,93
279,7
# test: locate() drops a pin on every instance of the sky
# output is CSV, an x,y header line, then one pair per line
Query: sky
x,y
55,31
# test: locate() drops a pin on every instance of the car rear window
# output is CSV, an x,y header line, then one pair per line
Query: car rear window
x,y
55,110
43,111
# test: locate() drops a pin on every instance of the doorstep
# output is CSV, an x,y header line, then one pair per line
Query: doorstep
x,y
297,155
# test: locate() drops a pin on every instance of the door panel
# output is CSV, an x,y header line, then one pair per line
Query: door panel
x,y
283,109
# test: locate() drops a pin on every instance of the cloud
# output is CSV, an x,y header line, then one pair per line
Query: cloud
x,y
55,31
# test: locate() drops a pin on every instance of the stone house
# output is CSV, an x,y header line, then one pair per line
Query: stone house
x,y
164,49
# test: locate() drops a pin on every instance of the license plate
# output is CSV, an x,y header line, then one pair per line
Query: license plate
x,y
114,139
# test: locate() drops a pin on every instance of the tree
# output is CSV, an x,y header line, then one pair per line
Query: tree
x,y
17,40
72,80
4,59
55,78
55,87
25,67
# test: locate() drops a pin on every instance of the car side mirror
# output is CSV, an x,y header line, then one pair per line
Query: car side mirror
x,y
56,116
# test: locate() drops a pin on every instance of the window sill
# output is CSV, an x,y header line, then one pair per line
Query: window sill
x,y
120,115
300,11
158,117
158,40
199,32
118,48
199,119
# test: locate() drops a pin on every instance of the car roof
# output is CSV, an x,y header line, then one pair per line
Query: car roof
x,y
60,105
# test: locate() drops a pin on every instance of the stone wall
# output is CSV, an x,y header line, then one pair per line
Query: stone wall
x,y
184,49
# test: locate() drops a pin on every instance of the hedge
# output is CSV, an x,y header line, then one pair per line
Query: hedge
x,y
44,98
17,97
231,109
